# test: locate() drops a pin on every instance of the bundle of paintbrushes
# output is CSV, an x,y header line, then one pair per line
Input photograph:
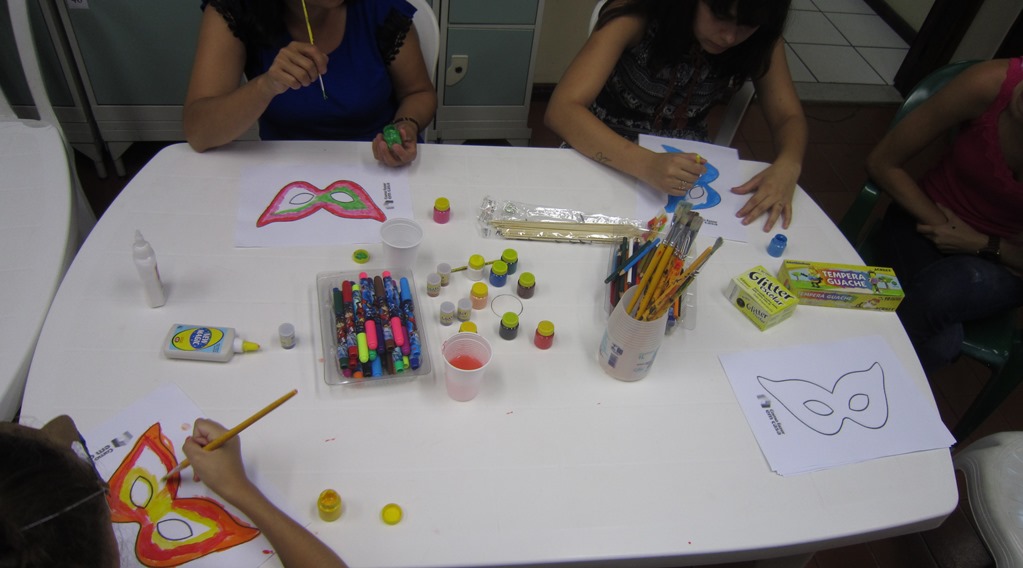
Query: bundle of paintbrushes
x,y
659,268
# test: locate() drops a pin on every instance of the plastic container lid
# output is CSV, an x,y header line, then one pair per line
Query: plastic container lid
x,y
545,328
476,262
499,268
442,204
510,256
510,320
443,268
391,514
433,279
527,279
360,256
479,289
467,326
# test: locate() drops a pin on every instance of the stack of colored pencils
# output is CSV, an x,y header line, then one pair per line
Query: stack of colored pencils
x,y
659,268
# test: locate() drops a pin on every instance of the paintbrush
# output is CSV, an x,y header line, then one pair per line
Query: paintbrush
x,y
309,28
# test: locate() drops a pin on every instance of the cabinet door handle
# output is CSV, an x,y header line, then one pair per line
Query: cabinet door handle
x,y
456,70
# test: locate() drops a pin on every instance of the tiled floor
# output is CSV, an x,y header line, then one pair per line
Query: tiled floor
x,y
841,51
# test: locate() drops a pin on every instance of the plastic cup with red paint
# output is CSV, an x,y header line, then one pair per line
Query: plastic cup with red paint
x,y
466,356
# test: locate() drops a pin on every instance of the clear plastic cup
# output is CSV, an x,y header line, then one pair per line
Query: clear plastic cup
x,y
401,238
629,346
466,356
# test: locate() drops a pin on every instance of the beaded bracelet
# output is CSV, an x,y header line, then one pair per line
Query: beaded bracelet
x,y
408,119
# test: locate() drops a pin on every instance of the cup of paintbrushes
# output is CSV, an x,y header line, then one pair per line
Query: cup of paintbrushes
x,y
629,345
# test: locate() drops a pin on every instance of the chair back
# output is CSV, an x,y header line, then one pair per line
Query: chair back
x,y
852,223
428,29
737,105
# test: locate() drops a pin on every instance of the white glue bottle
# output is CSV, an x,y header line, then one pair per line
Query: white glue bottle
x,y
203,343
145,262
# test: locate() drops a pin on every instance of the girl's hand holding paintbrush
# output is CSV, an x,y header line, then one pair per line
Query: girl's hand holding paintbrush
x,y
222,469
297,65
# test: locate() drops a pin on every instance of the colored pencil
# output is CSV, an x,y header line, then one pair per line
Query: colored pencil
x,y
221,440
634,259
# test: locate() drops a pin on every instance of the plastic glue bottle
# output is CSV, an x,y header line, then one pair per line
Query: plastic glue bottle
x,y
203,343
145,262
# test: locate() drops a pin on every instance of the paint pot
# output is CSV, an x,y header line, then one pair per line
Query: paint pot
x,y
464,311
447,313
777,245
474,269
478,295
544,336
467,327
511,258
444,270
509,327
286,332
441,210
527,285
498,274
629,346
433,285
329,505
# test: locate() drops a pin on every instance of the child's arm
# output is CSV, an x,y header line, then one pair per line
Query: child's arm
x,y
222,471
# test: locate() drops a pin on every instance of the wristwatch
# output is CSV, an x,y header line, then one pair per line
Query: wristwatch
x,y
993,250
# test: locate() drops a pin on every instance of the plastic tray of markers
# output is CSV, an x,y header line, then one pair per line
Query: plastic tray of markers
x,y
351,356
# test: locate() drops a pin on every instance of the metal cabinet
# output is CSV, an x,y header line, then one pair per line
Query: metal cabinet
x,y
488,51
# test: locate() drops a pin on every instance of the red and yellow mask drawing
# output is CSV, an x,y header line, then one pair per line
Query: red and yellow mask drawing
x,y
298,199
172,530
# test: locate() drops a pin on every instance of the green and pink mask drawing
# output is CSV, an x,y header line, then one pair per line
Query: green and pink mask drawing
x,y
299,199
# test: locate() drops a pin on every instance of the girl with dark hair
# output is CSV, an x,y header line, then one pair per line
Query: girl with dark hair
x,y
362,70
53,502
657,67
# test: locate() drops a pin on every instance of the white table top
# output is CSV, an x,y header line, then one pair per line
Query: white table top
x,y
35,221
554,461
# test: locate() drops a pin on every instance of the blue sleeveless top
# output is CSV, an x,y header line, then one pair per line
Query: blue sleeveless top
x,y
360,95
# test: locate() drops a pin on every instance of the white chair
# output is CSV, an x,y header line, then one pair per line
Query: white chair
x,y
993,467
735,110
428,29
46,217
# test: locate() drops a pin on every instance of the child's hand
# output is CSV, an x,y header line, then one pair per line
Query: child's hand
x,y
221,469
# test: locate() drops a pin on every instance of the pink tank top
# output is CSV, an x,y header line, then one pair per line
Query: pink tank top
x,y
974,180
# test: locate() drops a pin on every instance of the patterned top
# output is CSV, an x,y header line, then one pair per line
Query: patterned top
x,y
973,179
673,101
360,95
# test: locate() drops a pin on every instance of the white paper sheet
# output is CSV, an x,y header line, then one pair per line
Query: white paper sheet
x,y
824,405
313,208
711,196
177,521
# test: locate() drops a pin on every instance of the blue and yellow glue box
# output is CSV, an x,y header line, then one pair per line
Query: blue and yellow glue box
x,y
842,285
760,297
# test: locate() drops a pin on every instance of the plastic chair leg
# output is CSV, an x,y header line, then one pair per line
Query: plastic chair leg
x,y
1001,384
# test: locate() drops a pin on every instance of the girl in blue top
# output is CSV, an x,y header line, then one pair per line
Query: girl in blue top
x,y
366,52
